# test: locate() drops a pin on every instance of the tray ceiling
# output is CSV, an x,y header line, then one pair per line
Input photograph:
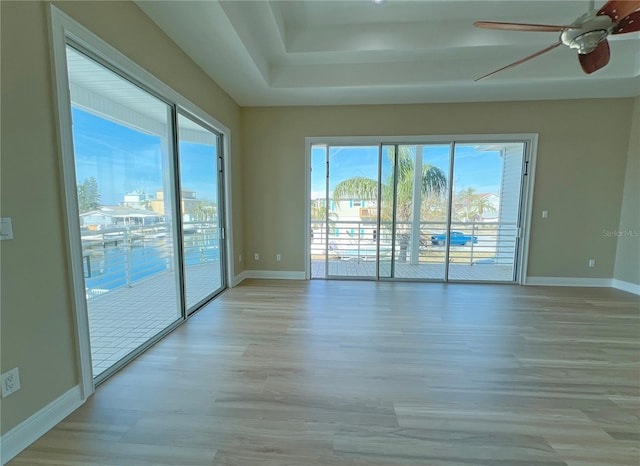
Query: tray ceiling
x,y
359,52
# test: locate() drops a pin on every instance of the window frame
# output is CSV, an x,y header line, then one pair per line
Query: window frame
x,y
526,201
64,31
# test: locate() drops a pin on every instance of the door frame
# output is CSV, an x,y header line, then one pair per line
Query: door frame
x,y
530,141
63,29
378,147
220,167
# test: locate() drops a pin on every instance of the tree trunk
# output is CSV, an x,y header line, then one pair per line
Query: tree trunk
x,y
403,247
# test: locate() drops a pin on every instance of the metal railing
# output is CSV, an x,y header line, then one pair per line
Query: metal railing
x,y
471,242
119,256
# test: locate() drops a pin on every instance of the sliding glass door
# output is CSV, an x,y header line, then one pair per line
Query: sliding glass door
x,y
485,214
200,167
433,211
149,255
384,215
420,199
352,229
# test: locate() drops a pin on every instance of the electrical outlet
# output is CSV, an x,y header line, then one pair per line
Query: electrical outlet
x,y
256,256
592,263
278,257
10,382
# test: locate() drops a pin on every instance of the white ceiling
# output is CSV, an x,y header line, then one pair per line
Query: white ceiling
x,y
101,91
323,52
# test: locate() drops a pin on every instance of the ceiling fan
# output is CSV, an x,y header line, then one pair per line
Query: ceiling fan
x,y
587,34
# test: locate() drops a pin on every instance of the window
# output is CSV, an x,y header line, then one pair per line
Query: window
x,y
133,142
440,208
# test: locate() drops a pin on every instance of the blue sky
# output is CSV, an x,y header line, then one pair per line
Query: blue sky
x,y
124,160
479,169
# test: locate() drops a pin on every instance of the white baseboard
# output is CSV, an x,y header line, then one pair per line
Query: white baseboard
x,y
274,274
238,278
31,429
535,281
569,281
626,286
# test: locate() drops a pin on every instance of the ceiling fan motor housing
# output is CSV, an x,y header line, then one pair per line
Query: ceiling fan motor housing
x,y
590,30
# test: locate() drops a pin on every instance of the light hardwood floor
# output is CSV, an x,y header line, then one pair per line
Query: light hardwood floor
x,y
283,373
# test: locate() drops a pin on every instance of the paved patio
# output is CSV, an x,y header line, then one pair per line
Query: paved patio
x,y
367,269
123,319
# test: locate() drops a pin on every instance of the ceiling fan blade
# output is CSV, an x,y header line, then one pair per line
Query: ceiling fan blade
x,y
630,23
619,9
519,62
597,59
521,26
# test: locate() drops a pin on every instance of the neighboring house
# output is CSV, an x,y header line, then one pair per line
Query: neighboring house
x,y
349,218
117,216
347,209
189,203
355,209
137,200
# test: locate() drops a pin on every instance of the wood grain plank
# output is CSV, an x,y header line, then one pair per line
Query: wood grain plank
x,y
283,373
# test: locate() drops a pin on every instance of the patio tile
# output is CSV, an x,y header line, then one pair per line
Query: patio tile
x,y
360,268
123,319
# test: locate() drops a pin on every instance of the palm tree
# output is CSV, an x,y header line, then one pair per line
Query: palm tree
x,y
470,205
319,214
433,183
481,205
463,203
319,210
204,210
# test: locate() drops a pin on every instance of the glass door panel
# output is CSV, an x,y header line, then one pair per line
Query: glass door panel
x,y
321,217
353,187
385,234
417,211
198,150
421,194
123,169
483,239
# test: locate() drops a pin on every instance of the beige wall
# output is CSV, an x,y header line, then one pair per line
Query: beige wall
x,y
581,160
37,322
628,253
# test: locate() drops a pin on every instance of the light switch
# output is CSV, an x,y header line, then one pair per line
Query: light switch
x,y
545,213
6,230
